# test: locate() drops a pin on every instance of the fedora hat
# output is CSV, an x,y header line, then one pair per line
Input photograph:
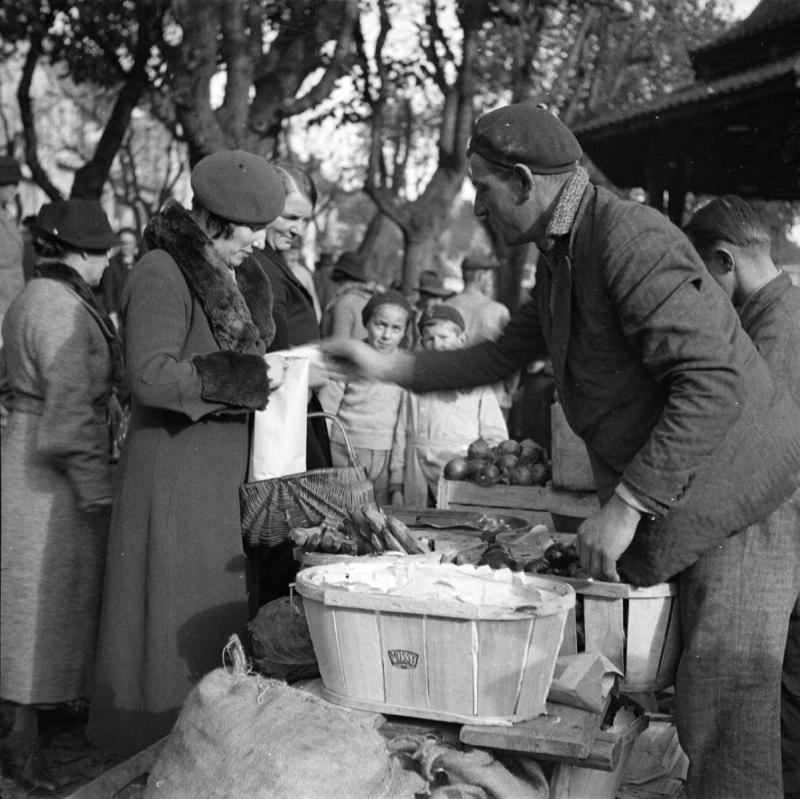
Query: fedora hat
x,y
81,224
349,266
431,283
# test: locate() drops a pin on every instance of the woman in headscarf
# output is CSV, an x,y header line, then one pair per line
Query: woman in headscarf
x,y
273,568
60,360
197,321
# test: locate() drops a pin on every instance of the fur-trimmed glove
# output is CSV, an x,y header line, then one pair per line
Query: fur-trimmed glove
x,y
235,378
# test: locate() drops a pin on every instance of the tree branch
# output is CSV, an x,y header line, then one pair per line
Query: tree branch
x,y
40,177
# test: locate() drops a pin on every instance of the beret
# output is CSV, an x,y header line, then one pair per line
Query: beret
x,y
9,170
431,283
349,266
524,133
472,262
390,297
239,186
441,313
81,224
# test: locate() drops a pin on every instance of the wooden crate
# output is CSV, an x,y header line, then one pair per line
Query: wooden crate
x,y
571,467
539,504
434,658
637,629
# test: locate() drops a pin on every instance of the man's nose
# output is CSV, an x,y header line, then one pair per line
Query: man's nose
x,y
260,239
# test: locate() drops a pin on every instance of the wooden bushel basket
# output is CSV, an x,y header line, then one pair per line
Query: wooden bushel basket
x,y
270,508
435,658
637,629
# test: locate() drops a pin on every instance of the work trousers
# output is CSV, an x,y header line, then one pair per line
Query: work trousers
x,y
735,607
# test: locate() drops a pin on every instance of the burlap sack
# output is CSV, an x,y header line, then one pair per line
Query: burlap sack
x,y
242,735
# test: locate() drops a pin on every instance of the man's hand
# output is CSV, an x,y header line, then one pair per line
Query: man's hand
x,y
603,537
346,359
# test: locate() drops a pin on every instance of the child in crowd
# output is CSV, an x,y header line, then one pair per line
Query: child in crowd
x,y
368,411
434,428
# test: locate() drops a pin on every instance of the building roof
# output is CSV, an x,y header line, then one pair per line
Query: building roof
x,y
734,129
701,91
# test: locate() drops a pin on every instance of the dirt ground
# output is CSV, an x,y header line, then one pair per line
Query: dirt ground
x,y
72,759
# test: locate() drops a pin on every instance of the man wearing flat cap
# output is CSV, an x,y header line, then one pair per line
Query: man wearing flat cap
x,y
11,248
694,445
485,318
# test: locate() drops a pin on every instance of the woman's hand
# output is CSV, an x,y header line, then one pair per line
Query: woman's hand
x,y
276,370
346,359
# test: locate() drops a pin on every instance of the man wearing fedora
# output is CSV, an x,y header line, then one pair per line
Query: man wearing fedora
x,y
694,445
341,317
11,249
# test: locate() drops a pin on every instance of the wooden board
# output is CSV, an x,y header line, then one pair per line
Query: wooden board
x,y
114,780
563,732
567,735
463,494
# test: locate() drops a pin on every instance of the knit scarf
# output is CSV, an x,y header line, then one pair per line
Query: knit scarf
x,y
567,206
55,270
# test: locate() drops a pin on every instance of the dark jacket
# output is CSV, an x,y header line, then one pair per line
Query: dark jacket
x,y
195,335
771,317
656,374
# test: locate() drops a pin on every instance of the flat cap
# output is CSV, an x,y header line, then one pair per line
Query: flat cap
x,y
239,186
81,224
524,133
349,266
440,313
9,170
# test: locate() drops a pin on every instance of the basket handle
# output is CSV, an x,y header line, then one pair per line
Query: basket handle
x,y
351,453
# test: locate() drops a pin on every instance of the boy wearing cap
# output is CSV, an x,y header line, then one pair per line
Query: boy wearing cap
x,y
695,447
436,427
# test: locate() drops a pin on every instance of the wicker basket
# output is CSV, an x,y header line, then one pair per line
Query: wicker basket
x,y
270,508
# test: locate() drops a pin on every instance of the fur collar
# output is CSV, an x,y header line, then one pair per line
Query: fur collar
x,y
240,312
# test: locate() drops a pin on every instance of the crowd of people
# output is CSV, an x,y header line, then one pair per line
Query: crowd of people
x,y
675,356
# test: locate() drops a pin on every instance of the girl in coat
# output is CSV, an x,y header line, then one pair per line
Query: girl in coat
x,y
59,361
197,321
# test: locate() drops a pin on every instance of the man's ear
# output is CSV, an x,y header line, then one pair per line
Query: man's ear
x,y
725,256
525,178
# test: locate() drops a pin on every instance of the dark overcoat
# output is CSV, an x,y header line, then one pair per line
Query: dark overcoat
x,y
656,374
195,335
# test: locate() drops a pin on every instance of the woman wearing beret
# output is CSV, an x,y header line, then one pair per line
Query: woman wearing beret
x,y
295,324
60,359
197,321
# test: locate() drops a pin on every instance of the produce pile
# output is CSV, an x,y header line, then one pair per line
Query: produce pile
x,y
558,559
517,463
364,531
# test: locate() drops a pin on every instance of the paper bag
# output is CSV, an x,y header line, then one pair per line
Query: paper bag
x,y
583,680
279,431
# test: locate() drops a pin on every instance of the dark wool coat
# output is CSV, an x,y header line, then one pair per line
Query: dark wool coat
x,y
655,373
175,588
